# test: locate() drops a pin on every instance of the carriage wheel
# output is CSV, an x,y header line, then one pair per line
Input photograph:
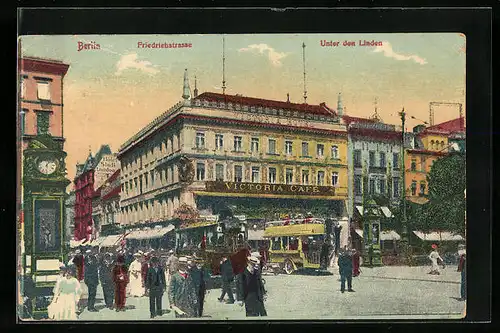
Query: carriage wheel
x,y
288,266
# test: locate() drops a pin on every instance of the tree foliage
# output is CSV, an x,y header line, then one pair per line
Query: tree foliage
x,y
446,207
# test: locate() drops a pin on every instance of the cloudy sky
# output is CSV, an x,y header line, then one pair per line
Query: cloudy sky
x,y
113,92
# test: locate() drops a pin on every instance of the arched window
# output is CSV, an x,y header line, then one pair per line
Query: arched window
x,y
442,144
432,144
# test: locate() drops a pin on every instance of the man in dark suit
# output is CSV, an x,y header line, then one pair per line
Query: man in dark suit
x,y
91,278
226,272
253,289
345,269
200,276
106,278
155,282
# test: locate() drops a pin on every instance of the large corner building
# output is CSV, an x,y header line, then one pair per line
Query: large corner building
x,y
252,156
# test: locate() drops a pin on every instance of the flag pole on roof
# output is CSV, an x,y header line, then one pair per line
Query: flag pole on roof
x,y
223,65
304,64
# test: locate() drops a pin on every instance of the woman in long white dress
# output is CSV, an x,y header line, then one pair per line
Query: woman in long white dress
x,y
135,287
66,296
434,257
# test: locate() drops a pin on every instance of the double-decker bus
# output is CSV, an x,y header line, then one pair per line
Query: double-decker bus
x,y
296,243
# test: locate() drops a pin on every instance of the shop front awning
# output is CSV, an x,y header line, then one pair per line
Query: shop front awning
x,y
255,235
74,243
110,240
389,235
438,236
150,233
385,210
359,232
96,242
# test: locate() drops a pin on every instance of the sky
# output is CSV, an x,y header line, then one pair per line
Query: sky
x,y
112,92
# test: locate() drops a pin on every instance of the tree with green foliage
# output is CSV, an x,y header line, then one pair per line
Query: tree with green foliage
x,y
446,207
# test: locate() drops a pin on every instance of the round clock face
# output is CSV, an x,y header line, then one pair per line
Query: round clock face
x,y
47,167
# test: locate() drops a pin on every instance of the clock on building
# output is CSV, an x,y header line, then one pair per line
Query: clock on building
x,y
47,166
44,191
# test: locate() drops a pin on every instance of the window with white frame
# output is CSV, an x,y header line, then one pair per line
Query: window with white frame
x,y
272,175
305,177
255,145
335,152
238,173
43,90
219,172
200,171
395,187
289,176
255,175
219,141
238,143
288,147
320,150
320,178
335,178
23,88
305,149
200,140
272,146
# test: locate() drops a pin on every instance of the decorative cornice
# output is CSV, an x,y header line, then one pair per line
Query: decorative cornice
x,y
143,133
41,102
289,128
50,66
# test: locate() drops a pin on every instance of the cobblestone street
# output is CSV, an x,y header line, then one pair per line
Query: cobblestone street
x,y
381,293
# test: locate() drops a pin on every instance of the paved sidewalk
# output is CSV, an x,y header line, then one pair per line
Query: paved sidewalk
x,y
416,273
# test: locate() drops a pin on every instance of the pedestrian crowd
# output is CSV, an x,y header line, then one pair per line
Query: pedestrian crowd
x,y
151,273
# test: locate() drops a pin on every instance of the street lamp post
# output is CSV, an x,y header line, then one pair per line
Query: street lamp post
x,y
403,181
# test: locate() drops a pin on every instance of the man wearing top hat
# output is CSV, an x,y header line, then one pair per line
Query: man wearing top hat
x,y
91,279
155,282
182,292
253,288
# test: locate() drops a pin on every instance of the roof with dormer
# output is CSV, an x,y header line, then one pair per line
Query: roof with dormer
x,y
318,109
